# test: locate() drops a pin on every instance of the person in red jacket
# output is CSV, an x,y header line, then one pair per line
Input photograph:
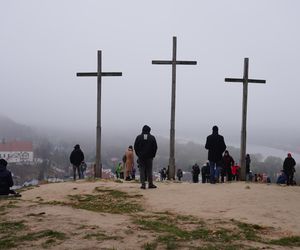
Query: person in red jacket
x,y
228,162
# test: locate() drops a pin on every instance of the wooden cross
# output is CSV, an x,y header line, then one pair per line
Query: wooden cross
x,y
99,74
173,62
245,80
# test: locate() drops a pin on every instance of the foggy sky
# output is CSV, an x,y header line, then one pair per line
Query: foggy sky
x,y
44,43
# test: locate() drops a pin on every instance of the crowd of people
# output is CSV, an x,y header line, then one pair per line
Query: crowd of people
x,y
219,168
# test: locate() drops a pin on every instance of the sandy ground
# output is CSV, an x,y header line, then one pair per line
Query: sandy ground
x,y
265,205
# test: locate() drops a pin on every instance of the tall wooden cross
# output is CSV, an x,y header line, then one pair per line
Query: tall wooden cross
x,y
245,80
99,74
173,62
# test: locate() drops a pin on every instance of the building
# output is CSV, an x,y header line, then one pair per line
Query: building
x,y
17,151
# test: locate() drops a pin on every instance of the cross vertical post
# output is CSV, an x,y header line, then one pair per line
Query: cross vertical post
x,y
173,62
98,168
172,121
245,80
99,74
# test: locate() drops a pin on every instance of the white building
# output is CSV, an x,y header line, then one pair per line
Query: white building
x,y
17,151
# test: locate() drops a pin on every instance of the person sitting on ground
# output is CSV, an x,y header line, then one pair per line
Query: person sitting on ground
x,y
6,181
281,178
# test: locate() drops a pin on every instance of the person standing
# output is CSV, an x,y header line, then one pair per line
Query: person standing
x,y
195,173
205,172
248,161
129,163
145,147
289,169
76,158
228,162
216,146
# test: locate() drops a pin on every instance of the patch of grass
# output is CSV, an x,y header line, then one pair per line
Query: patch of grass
x,y
12,240
249,231
150,246
6,243
11,226
225,247
43,234
108,201
293,241
174,231
100,236
10,204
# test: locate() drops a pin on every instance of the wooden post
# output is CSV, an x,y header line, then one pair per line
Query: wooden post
x,y
245,81
174,62
99,74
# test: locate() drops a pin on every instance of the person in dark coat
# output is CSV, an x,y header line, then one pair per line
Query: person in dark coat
x,y
216,146
248,161
179,174
6,181
205,172
76,158
289,169
145,147
195,173
228,162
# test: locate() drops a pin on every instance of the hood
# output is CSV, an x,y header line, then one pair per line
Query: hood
x,y
146,129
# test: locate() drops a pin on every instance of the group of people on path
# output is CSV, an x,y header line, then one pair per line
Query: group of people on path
x,y
287,174
127,166
219,167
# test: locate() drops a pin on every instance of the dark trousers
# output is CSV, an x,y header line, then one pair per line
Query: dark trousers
x,y
290,179
146,170
228,173
195,178
78,171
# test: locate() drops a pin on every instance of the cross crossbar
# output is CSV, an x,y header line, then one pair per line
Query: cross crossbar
x,y
102,74
241,80
176,62
98,74
245,80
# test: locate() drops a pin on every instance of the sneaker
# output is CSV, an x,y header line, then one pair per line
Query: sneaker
x,y
152,186
143,186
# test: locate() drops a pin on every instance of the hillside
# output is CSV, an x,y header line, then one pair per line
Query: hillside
x,y
115,215
11,130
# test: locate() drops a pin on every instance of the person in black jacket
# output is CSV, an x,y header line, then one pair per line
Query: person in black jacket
x,y
195,173
216,146
76,158
145,147
289,169
6,181
228,162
